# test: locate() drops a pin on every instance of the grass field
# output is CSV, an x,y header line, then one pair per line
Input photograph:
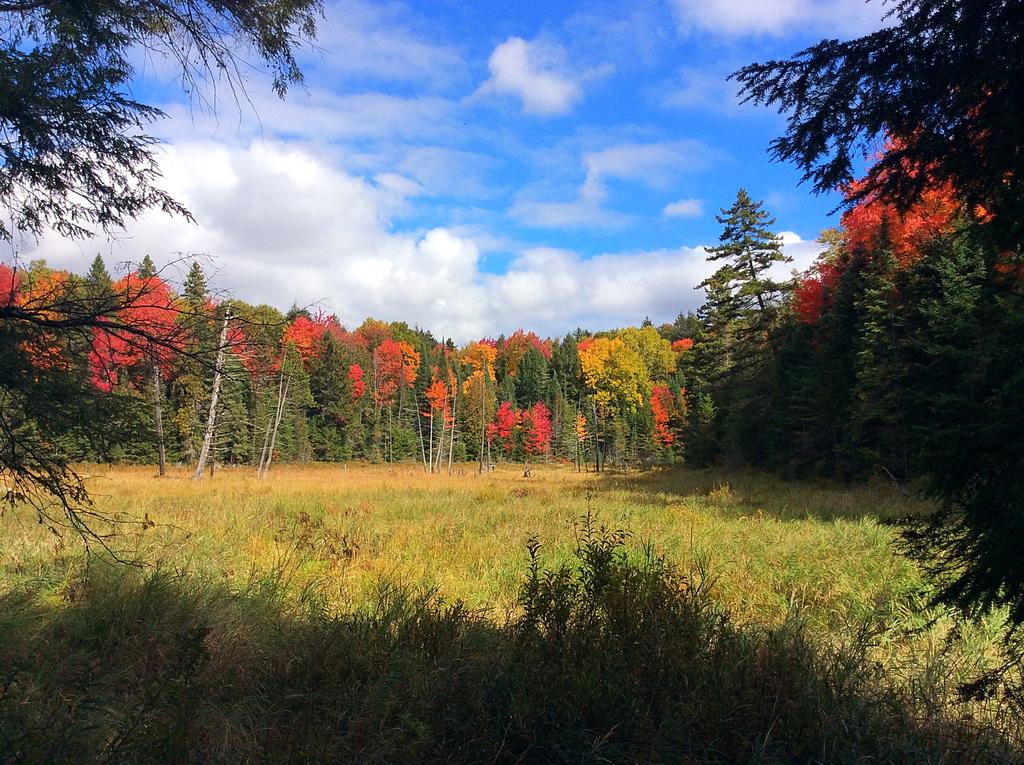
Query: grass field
x,y
774,546
770,554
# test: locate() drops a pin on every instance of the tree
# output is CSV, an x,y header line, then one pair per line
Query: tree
x,y
55,398
74,152
618,381
942,86
748,251
737,355
531,378
149,307
97,277
945,79
478,391
655,351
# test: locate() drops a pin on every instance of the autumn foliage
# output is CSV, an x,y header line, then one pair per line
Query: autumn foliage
x,y
148,307
395,364
668,411
528,428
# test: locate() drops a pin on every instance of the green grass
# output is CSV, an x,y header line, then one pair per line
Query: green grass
x,y
809,640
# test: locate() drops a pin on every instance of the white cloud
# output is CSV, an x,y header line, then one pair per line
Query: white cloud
x,y
450,172
379,41
398,185
317,115
779,17
705,89
684,208
535,73
653,164
283,226
581,213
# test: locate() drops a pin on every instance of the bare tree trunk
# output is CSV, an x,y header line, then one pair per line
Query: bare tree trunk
x,y
430,453
272,427
440,444
211,420
277,425
419,429
158,412
483,391
451,437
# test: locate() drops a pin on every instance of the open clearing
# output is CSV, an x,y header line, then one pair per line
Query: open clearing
x,y
773,545
316,615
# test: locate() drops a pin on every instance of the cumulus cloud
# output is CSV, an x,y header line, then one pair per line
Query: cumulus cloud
x,y
684,208
778,17
306,231
535,73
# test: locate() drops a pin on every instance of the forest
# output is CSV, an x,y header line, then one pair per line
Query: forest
x,y
867,362
783,528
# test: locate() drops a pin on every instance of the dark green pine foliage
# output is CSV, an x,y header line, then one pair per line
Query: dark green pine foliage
x,y
565,365
878,419
532,379
332,410
965,388
97,277
748,250
686,325
956,67
293,442
98,287
146,269
233,445
736,358
193,369
507,390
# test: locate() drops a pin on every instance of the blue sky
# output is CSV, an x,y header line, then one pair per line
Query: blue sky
x,y
476,167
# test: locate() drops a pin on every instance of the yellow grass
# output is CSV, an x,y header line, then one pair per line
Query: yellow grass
x,y
773,545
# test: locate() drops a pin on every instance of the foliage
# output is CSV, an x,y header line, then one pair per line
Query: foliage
x,y
943,78
75,152
614,372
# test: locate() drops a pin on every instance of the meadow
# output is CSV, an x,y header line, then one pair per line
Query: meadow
x,y
796,595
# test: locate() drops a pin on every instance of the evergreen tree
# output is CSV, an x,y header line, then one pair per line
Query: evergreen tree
x,y
146,269
531,382
98,278
507,390
190,386
748,251
233,443
737,355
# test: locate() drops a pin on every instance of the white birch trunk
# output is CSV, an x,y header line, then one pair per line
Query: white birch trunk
x,y
211,420
282,397
159,416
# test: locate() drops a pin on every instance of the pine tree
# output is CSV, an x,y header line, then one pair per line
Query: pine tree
x,y
190,388
748,251
531,383
233,444
98,278
146,269
195,291
736,359
879,412
507,390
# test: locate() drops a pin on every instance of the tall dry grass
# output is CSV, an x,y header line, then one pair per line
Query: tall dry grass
x,y
409,588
